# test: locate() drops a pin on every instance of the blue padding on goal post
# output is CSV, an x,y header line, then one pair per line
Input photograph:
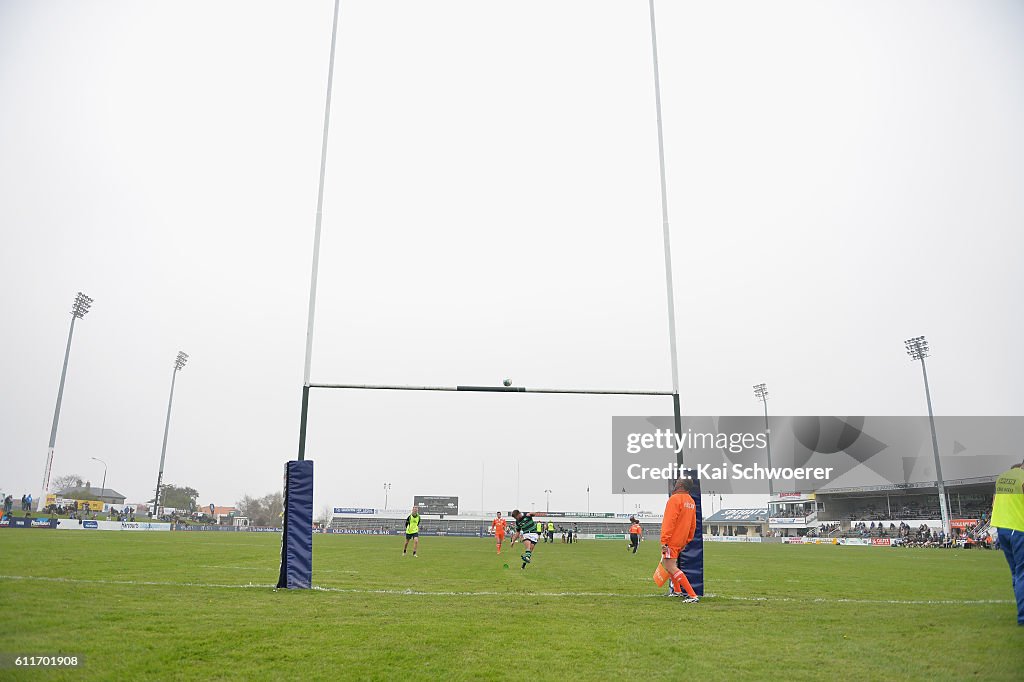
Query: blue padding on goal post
x,y
691,559
297,536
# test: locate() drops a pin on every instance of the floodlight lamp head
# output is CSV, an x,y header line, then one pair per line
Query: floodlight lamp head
x,y
917,348
179,362
761,392
81,305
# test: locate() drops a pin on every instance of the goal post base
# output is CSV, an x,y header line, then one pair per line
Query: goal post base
x,y
691,559
297,534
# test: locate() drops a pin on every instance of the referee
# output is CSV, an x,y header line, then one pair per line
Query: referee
x,y
1008,517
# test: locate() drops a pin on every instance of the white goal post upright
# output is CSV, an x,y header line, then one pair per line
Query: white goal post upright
x,y
669,288
316,236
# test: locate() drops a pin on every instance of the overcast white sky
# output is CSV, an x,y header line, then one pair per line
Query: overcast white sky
x,y
842,176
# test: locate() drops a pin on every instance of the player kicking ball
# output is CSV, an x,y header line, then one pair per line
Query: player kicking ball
x,y
526,529
498,528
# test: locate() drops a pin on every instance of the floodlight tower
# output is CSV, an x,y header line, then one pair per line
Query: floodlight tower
x,y
917,349
547,506
761,393
79,308
179,364
103,486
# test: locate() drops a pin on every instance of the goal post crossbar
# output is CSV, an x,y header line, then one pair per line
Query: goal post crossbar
x,y
492,389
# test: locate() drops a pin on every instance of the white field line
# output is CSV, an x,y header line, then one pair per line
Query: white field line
x,y
439,593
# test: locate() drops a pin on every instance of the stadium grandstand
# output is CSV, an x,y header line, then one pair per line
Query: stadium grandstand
x,y
893,511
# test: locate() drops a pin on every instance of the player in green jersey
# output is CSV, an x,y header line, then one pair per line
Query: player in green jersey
x,y
526,528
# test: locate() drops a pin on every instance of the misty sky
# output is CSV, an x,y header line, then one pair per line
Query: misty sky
x,y
842,176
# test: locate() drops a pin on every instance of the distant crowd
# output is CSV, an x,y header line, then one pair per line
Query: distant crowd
x,y
823,530
905,535
83,512
72,509
26,503
963,538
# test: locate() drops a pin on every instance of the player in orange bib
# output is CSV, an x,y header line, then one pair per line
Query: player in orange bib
x,y
677,529
636,532
498,526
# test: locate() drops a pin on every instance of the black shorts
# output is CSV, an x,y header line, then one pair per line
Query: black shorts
x,y
634,538
410,536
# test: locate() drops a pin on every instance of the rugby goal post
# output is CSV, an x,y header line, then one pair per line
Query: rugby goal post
x,y
297,534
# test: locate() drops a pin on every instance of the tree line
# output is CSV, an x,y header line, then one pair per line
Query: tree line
x,y
262,511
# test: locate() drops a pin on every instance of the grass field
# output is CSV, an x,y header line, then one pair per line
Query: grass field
x,y
155,606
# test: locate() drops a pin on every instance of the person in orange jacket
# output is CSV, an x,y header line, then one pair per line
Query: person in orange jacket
x,y
677,529
636,532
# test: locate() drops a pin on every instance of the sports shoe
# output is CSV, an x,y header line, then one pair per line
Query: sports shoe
x,y
692,600
414,555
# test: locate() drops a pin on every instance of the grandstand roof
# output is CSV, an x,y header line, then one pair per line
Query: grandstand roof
x,y
108,495
758,515
980,482
888,487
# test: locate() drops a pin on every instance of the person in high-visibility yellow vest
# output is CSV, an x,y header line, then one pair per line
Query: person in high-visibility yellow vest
x,y
1008,518
412,530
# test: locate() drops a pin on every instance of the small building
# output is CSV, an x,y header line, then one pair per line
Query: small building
x,y
792,514
219,514
738,522
86,492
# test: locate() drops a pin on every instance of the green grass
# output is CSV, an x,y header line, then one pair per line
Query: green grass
x,y
156,606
